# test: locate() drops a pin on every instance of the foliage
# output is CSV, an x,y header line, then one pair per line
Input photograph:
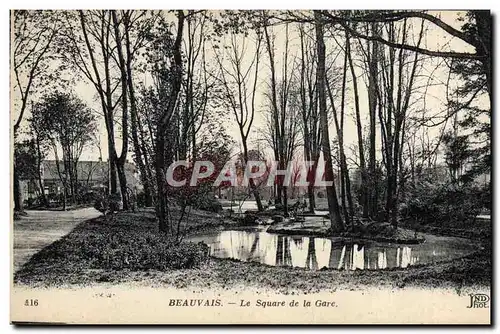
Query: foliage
x,y
457,153
433,203
65,118
121,245
108,203
26,158
34,63
62,120
145,251
474,88
200,195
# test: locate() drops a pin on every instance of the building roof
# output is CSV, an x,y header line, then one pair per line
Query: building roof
x,y
88,171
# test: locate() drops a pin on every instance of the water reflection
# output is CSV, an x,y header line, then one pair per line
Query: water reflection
x,y
316,253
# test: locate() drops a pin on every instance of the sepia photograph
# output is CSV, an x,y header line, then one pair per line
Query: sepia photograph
x,y
251,166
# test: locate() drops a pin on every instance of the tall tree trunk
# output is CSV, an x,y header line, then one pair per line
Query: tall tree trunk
x,y
344,172
123,186
113,189
333,205
283,154
72,177
163,125
18,196
310,187
372,105
161,198
138,157
251,181
306,133
275,112
39,173
120,163
484,21
42,191
359,128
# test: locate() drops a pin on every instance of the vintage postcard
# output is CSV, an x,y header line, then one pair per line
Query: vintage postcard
x,y
251,166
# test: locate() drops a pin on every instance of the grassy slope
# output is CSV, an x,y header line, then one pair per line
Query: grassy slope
x,y
45,270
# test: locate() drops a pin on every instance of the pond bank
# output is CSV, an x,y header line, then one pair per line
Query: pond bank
x,y
381,232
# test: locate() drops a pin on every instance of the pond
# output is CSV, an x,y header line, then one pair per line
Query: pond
x,y
315,253
240,207
251,205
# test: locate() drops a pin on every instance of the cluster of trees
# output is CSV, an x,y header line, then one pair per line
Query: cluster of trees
x,y
62,120
166,82
59,122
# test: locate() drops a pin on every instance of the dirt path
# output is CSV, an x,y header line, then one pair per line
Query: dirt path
x,y
40,228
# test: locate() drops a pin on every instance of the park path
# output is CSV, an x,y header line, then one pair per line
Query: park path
x,y
41,228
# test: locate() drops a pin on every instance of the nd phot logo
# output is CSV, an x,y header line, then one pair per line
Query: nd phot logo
x,y
479,300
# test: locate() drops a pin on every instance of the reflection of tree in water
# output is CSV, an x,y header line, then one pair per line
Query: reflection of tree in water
x,y
311,261
336,257
404,257
287,256
358,257
283,254
255,244
298,241
381,260
342,257
279,251
311,253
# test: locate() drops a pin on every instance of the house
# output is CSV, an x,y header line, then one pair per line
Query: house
x,y
91,176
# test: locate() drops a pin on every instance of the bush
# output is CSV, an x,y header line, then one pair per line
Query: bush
x,y
115,202
141,200
250,219
149,251
208,204
121,250
278,219
443,203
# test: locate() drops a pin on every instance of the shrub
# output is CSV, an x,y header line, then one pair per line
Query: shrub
x,y
443,203
122,250
115,202
250,219
141,200
208,203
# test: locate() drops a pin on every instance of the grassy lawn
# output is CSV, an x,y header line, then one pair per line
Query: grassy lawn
x,y
129,250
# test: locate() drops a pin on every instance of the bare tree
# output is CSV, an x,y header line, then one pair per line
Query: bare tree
x,y
348,208
284,108
371,55
397,80
196,88
333,205
33,36
309,102
168,73
81,50
480,41
139,22
241,89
